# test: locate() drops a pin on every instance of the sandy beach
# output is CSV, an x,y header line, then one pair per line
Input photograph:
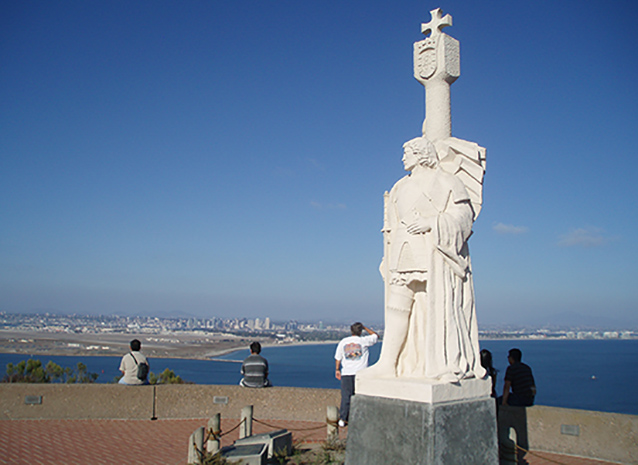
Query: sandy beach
x,y
185,345
170,345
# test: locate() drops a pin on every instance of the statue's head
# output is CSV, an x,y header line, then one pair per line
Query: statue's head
x,y
422,150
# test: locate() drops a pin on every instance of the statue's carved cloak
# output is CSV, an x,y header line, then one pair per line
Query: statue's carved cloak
x,y
443,333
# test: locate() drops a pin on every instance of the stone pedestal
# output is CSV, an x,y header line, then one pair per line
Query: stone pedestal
x,y
423,390
384,431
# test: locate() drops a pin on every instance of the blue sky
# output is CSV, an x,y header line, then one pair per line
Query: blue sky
x,y
218,158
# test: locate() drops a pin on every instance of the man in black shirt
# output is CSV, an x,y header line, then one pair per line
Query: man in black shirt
x,y
518,379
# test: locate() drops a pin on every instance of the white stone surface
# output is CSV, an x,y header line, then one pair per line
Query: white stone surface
x,y
437,64
422,390
430,347
431,329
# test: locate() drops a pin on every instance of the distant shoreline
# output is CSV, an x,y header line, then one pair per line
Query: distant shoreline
x,y
36,344
182,346
285,344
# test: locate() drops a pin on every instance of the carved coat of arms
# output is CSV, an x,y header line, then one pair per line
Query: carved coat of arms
x,y
425,58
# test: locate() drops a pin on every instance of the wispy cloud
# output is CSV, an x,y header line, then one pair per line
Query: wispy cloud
x,y
282,172
314,163
502,228
328,206
583,237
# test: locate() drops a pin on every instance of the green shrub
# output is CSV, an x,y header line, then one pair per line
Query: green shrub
x,y
31,371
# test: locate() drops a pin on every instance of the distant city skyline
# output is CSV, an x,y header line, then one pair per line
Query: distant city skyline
x,y
265,323
230,158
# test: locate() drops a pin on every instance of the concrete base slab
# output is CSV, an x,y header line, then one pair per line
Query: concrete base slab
x,y
279,442
383,431
423,390
250,454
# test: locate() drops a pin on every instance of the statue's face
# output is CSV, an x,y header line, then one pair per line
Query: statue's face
x,y
410,157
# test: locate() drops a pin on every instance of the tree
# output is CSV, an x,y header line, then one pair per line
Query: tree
x,y
83,376
56,372
31,371
166,377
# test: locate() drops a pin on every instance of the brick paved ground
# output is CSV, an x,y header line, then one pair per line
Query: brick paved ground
x,y
141,442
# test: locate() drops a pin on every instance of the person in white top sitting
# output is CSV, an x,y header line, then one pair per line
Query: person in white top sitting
x,y
130,365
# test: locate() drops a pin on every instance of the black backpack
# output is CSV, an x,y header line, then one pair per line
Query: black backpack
x,y
142,369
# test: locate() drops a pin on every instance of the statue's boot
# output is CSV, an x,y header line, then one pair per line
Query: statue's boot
x,y
396,330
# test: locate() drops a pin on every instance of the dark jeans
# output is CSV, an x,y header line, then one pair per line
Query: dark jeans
x,y
347,390
516,401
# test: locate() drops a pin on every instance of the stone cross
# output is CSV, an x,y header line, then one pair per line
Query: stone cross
x,y
437,66
436,23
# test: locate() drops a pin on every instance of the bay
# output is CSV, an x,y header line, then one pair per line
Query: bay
x,y
599,375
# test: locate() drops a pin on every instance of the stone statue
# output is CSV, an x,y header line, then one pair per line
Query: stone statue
x,y
430,320
431,331
428,386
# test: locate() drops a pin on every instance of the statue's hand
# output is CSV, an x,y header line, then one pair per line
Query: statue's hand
x,y
420,225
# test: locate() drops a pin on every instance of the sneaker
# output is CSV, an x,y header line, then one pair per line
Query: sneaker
x,y
342,423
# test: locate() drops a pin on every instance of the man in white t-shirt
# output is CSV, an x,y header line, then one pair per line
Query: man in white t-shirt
x,y
350,357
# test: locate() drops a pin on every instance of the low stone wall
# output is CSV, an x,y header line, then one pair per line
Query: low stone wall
x,y
606,436
113,401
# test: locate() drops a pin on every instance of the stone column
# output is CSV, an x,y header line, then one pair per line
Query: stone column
x,y
437,66
214,430
332,415
246,428
196,446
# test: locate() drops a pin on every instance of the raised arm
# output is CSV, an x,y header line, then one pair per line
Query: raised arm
x,y
370,331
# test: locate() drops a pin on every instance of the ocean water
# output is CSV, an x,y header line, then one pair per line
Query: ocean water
x,y
599,375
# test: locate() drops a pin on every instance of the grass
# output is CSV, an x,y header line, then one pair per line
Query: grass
x,y
329,452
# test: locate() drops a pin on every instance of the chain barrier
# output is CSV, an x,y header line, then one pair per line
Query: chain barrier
x,y
233,429
217,435
201,453
290,429
212,435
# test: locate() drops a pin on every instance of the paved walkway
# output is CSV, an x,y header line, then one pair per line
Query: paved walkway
x,y
142,442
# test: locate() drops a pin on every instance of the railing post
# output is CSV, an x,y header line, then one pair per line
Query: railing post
x,y
196,446
246,427
214,430
332,417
